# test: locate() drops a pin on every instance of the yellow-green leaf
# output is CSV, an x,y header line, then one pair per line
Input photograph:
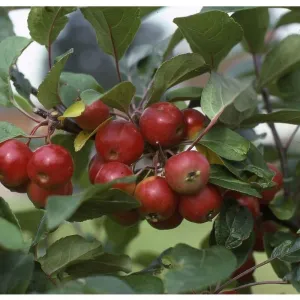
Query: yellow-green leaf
x,y
75,110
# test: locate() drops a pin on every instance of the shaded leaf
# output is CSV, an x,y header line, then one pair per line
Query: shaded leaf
x,y
174,71
176,38
41,231
22,85
280,60
289,18
9,131
115,27
225,8
7,214
144,284
288,251
183,94
223,178
16,272
10,49
255,23
212,34
94,202
283,209
95,285
190,269
211,156
45,23
118,97
48,94
226,143
233,225
294,277
6,25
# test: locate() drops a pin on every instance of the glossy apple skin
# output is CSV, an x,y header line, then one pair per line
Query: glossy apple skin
x,y
174,221
201,207
162,123
195,121
93,115
249,263
95,165
126,218
252,203
269,194
187,172
119,140
115,170
158,201
39,196
260,230
14,157
50,167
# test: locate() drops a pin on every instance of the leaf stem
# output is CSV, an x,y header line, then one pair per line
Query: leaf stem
x,y
258,283
243,274
286,147
278,143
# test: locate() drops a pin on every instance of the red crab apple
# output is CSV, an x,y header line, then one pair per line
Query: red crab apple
x,y
119,140
95,165
126,218
269,194
51,166
249,263
14,157
115,170
162,123
260,230
158,201
93,115
174,221
187,172
195,121
39,195
201,207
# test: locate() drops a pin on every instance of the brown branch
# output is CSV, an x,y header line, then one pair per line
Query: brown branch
x,y
278,143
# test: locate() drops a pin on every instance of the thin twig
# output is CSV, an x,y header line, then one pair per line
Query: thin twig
x,y
278,143
258,283
286,147
119,114
243,274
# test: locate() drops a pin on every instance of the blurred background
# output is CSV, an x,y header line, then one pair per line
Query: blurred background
x,y
88,58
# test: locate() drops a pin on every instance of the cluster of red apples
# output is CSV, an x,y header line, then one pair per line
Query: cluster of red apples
x,y
174,188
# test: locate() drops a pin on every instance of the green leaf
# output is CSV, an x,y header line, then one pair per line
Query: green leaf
x,y
6,25
23,103
74,110
191,269
280,60
220,92
289,18
9,131
183,94
233,225
94,202
225,8
288,86
288,116
283,209
45,23
48,94
30,219
95,285
223,178
294,277
118,97
16,272
119,236
174,71
10,236
22,85
144,284
281,268
81,159
7,214
79,258
41,231
226,143
115,27
255,23
212,34
288,251
10,49
72,84
176,38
